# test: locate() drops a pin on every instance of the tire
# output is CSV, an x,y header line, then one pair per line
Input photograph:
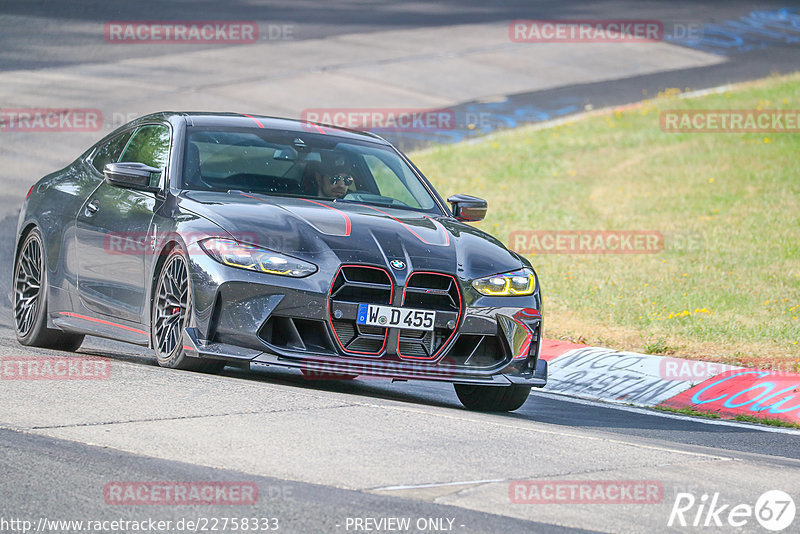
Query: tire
x,y
492,398
30,299
171,309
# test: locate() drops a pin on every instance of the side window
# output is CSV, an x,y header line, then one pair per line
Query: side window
x,y
109,153
150,145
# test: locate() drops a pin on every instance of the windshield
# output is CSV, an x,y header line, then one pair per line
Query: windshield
x,y
309,165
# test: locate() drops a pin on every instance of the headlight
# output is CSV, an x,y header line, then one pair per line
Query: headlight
x,y
235,254
515,283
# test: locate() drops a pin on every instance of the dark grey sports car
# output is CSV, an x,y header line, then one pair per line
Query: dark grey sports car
x,y
234,239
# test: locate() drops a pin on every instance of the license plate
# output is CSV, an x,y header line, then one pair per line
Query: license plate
x,y
391,317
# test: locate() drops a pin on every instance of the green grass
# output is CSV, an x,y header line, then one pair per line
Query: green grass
x,y
742,418
658,346
727,285
765,421
688,411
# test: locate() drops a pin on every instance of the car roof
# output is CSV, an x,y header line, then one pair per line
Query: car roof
x,y
243,120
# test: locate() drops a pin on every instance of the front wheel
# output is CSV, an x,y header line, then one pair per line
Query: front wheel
x,y
492,398
171,311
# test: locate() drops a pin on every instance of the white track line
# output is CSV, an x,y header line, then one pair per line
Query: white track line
x,y
441,484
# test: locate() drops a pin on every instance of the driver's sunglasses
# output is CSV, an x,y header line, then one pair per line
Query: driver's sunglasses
x,y
346,179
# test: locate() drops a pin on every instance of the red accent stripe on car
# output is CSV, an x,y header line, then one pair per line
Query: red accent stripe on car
x,y
29,192
254,119
330,315
439,225
340,212
525,313
523,351
92,319
407,227
347,225
317,127
458,319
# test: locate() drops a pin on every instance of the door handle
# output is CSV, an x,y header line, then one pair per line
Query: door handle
x,y
92,208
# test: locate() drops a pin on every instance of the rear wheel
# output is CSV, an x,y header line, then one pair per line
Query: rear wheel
x,y
492,398
172,307
30,299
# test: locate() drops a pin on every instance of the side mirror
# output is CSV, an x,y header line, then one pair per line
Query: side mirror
x,y
133,176
468,208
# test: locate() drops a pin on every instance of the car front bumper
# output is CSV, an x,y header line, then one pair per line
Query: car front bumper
x,y
268,320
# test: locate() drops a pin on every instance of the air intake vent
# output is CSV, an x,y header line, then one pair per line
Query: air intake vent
x,y
432,292
476,351
296,334
359,285
429,291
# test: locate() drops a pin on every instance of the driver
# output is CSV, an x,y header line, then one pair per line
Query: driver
x,y
330,178
332,185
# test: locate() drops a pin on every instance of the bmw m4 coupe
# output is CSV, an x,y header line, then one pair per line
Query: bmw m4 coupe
x,y
226,239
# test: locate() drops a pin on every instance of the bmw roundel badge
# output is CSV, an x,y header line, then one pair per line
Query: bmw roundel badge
x,y
397,264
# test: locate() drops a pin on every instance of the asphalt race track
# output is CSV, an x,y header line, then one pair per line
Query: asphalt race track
x,y
324,454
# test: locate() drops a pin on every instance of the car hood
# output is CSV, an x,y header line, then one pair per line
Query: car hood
x,y
334,233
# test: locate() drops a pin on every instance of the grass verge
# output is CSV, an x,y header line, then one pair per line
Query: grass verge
x,y
726,286
742,418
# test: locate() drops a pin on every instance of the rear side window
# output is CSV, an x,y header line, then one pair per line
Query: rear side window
x,y
150,145
109,152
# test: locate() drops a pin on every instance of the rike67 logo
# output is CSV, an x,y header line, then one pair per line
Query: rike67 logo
x,y
774,510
